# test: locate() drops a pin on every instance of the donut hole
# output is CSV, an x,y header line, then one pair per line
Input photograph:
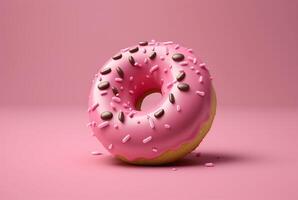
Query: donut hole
x,y
148,100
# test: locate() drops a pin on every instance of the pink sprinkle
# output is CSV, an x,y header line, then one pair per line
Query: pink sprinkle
x,y
162,58
174,169
165,70
131,113
138,121
154,68
167,126
119,80
171,83
201,79
210,164
167,51
153,48
131,78
112,105
211,78
168,42
137,64
125,105
151,43
154,149
116,126
121,88
145,60
200,93
151,123
124,50
192,68
135,87
96,153
110,146
202,65
194,61
142,83
177,46
144,50
190,58
103,93
147,139
198,72
178,108
184,63
147,76
131,92
190,50
126,138
170,66
161,81
103,124
116,99
91,124
93,107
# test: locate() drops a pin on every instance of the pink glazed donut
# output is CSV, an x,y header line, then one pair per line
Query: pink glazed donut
x,y
170,129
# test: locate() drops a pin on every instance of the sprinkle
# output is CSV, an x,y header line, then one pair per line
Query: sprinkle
x,y
171,83
124,50
151,123
210,164
151,43
201,79
112,105
154,68
110,146
147,139
200,93
190,58
103,124
162,58
167,126
143,83
177,46
168,42
144,50
96,153
131,113
170,66
93,107
198,72
167,51
91,124
131,92
184,63
125,105
154,149
194,61
103,93
190,50
165,70
119,80
121,88
138,122
126,138
153,48
131,78
192,68
202,65
116,99
161,81
145,60
178,108
147,76
174,169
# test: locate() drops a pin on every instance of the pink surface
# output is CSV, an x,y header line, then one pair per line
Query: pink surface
x,y
45,154
127,140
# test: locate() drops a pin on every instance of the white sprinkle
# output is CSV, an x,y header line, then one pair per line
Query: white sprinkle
x,y
103,124
126,138
116,99
110,146
119,80
210,164
151,123
131,78
154,68
113,106
144,50
178,108
190,50
154,149
96,153
147,139
153,40
177,46
136,64
184,63
116,126
131,92
103,93
145,60
93,107
168,42
124,50
162,58
200,93
167,51
201,79
167,126
202,65
131,113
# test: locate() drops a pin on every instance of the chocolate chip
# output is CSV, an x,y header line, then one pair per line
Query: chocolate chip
x,y
180,76
152,55
115,91
178,57
134,49
120,72
106,115
105,71
143,43
131,60
121,117
117,56
183,87
171,98
159,113
103,85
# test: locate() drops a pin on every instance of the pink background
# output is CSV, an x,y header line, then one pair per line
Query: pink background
x,y
50,50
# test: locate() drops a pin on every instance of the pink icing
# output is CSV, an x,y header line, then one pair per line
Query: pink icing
x,y
142,135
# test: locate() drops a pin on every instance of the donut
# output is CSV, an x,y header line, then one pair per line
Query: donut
x,y
171,128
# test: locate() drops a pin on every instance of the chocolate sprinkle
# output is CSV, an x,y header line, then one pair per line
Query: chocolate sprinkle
x,y
178,57
133,50
183,87
171,98
121,117
159,113
152,55
120,72
105,71
131,60
180,76
143,43
115,91
106,115
103,85
117,56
